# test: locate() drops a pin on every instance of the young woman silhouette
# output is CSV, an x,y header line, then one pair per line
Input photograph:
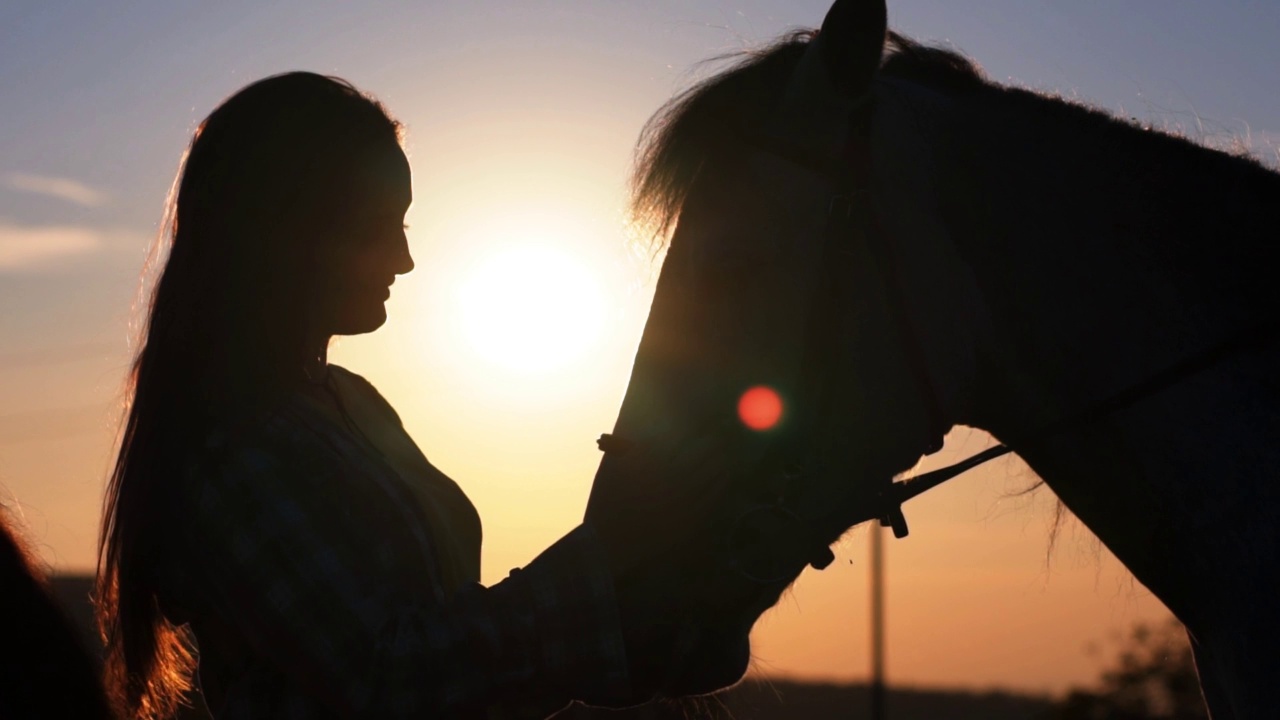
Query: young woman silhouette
x,y
270,507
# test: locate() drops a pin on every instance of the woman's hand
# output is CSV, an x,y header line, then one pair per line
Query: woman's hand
x,y
645,503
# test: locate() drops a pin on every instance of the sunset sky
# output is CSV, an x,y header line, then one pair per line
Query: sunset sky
x,y
521,119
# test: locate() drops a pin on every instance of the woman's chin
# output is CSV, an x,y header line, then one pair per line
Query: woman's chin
x,y
362,323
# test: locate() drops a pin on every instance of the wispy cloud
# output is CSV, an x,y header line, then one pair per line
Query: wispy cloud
x,y
61,188
26,247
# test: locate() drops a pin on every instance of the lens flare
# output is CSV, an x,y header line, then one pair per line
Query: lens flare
x,y
760,408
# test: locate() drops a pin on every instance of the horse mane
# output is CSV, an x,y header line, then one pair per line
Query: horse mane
x,y
710,122
703,129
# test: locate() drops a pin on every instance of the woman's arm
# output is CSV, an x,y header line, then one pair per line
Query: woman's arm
x,y
288,562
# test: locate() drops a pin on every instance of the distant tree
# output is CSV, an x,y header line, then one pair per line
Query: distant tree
x,y
1153,677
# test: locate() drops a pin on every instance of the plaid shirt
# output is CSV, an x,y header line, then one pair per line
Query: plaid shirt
x,y
313,591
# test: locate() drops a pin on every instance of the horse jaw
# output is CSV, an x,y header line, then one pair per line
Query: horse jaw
x,y
1084,278
909,135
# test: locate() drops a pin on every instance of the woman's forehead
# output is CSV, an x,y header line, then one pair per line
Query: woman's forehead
x,y
381,177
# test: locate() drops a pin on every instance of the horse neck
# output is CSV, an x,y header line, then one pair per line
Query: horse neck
x,y
1105,254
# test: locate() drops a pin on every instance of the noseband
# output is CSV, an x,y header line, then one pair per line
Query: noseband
x,y
852,217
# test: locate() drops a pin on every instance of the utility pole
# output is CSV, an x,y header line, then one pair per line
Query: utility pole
x,y
877,622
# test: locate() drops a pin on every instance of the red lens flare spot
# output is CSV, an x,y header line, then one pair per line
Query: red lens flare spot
x,y
760,408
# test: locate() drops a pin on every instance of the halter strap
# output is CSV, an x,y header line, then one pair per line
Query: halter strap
x,y
841,217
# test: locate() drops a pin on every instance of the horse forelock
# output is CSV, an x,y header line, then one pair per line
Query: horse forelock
x,y
706,130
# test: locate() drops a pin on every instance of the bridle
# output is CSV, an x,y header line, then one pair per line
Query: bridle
x,y
851,217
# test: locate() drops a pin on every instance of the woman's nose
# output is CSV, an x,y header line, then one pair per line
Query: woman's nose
x,y
403,258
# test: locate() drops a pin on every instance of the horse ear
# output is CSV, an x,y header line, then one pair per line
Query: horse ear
x,y
833,76
851,43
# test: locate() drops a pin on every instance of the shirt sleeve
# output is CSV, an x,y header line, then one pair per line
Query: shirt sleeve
x,y
286,564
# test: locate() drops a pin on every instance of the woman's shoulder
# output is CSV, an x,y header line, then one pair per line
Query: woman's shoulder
x,y
287,439
279,426
356,384
295,443
291,456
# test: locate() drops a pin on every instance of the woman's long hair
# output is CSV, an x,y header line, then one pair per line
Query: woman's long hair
x,y
225,337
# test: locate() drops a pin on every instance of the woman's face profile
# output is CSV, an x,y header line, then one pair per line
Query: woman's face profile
x,y
365,248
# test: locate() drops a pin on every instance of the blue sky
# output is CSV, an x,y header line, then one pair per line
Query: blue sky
x,y
106,96
511,107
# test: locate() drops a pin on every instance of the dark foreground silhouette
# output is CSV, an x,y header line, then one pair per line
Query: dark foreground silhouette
x,y
755,699
46,670
751,700
1149,675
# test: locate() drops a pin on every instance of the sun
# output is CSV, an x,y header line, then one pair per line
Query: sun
x,y
530,309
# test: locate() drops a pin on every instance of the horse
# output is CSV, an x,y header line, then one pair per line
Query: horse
x,y
882,243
